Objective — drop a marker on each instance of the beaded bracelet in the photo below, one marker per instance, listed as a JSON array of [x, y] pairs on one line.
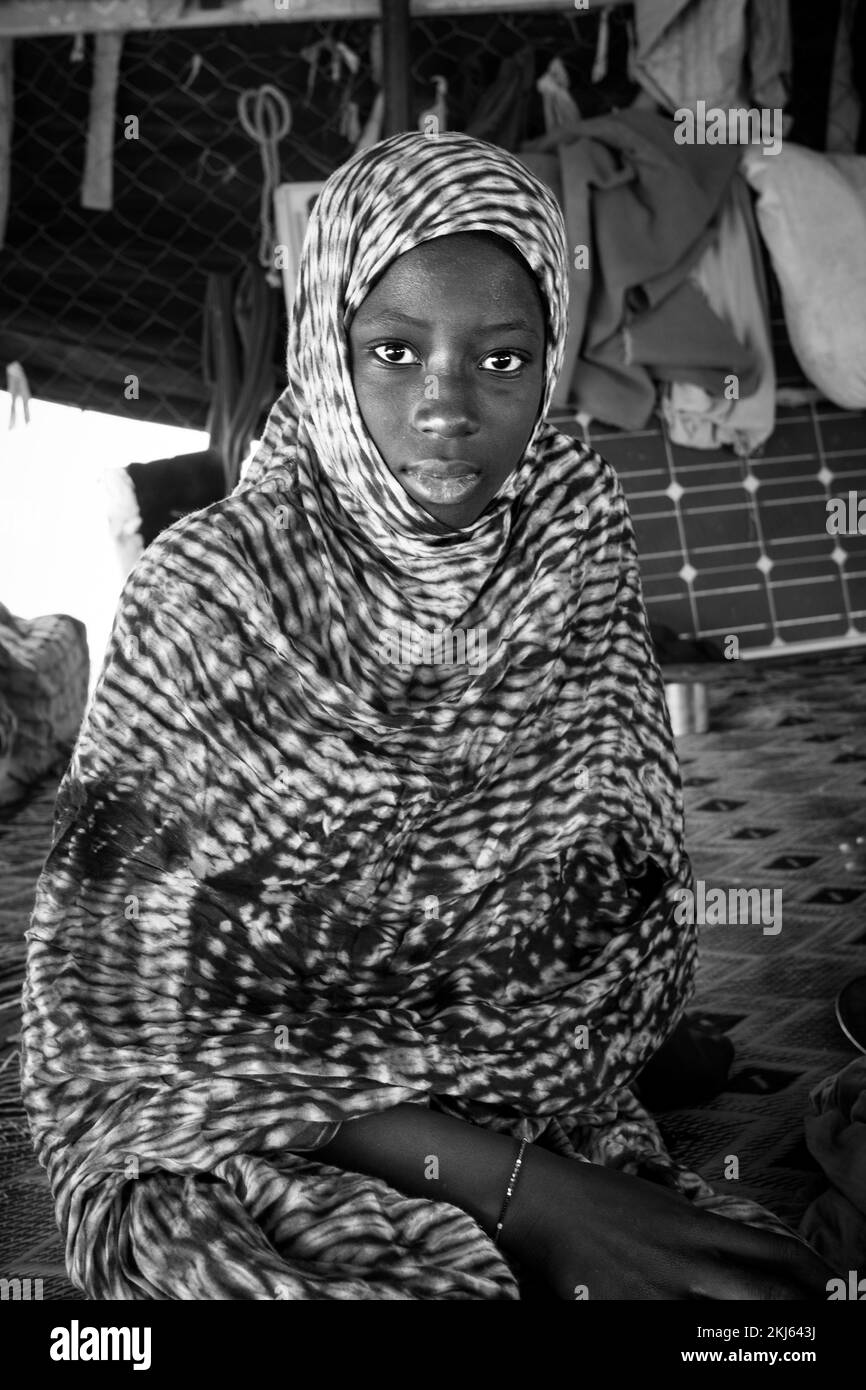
[[509, 1191]]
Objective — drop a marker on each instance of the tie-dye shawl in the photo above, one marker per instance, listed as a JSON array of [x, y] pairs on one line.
[[293, 882]]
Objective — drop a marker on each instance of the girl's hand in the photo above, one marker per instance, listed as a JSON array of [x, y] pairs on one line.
[[590, 1231]]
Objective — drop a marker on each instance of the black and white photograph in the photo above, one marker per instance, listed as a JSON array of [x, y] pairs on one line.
[[433, 806]]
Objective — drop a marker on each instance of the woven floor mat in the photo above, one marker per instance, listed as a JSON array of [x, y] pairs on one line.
[[773, 792]]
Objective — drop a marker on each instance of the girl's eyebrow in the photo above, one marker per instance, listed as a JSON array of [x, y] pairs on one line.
[[508, 326]]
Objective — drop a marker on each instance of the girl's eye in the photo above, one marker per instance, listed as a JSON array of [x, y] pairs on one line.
[[504, 362], [392, 354]]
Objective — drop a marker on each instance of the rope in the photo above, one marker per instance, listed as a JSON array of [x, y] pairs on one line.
[[266, 116]]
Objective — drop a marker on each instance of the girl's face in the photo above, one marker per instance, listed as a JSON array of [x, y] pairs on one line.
[[447, 357]]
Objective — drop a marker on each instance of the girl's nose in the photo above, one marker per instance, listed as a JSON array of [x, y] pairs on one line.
[[445, 408]]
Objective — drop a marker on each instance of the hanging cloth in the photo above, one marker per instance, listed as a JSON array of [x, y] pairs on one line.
[[731, 275], [638, 208], [7, 99], [434, 119], [19, 390], [560, 108], [97, 188], [500, 114], [721, 53], [844, 108], [602, 48], [239, 326]]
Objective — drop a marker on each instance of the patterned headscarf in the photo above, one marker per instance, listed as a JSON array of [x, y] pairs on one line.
[[295, 881]]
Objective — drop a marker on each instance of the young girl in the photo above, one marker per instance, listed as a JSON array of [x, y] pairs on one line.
[[358, 924]]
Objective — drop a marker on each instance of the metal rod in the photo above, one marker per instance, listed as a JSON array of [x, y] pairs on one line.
[[51, 18], [395, 65]]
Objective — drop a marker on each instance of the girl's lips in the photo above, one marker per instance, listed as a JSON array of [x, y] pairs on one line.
[[443, 480]]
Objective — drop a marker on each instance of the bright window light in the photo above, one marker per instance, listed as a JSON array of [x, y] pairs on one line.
[[57, 551]]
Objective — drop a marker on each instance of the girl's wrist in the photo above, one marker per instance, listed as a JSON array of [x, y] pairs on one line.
[[530, 1215]]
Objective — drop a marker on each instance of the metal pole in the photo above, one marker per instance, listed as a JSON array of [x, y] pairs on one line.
[[395, 65]]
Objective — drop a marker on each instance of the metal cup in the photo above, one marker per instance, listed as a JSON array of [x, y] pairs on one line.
[[687, 707]]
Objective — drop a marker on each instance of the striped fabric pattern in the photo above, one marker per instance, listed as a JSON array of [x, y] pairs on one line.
[[293, 883]]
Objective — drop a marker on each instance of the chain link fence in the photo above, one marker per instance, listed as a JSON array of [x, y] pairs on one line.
[[105, 309], [94, 297]]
